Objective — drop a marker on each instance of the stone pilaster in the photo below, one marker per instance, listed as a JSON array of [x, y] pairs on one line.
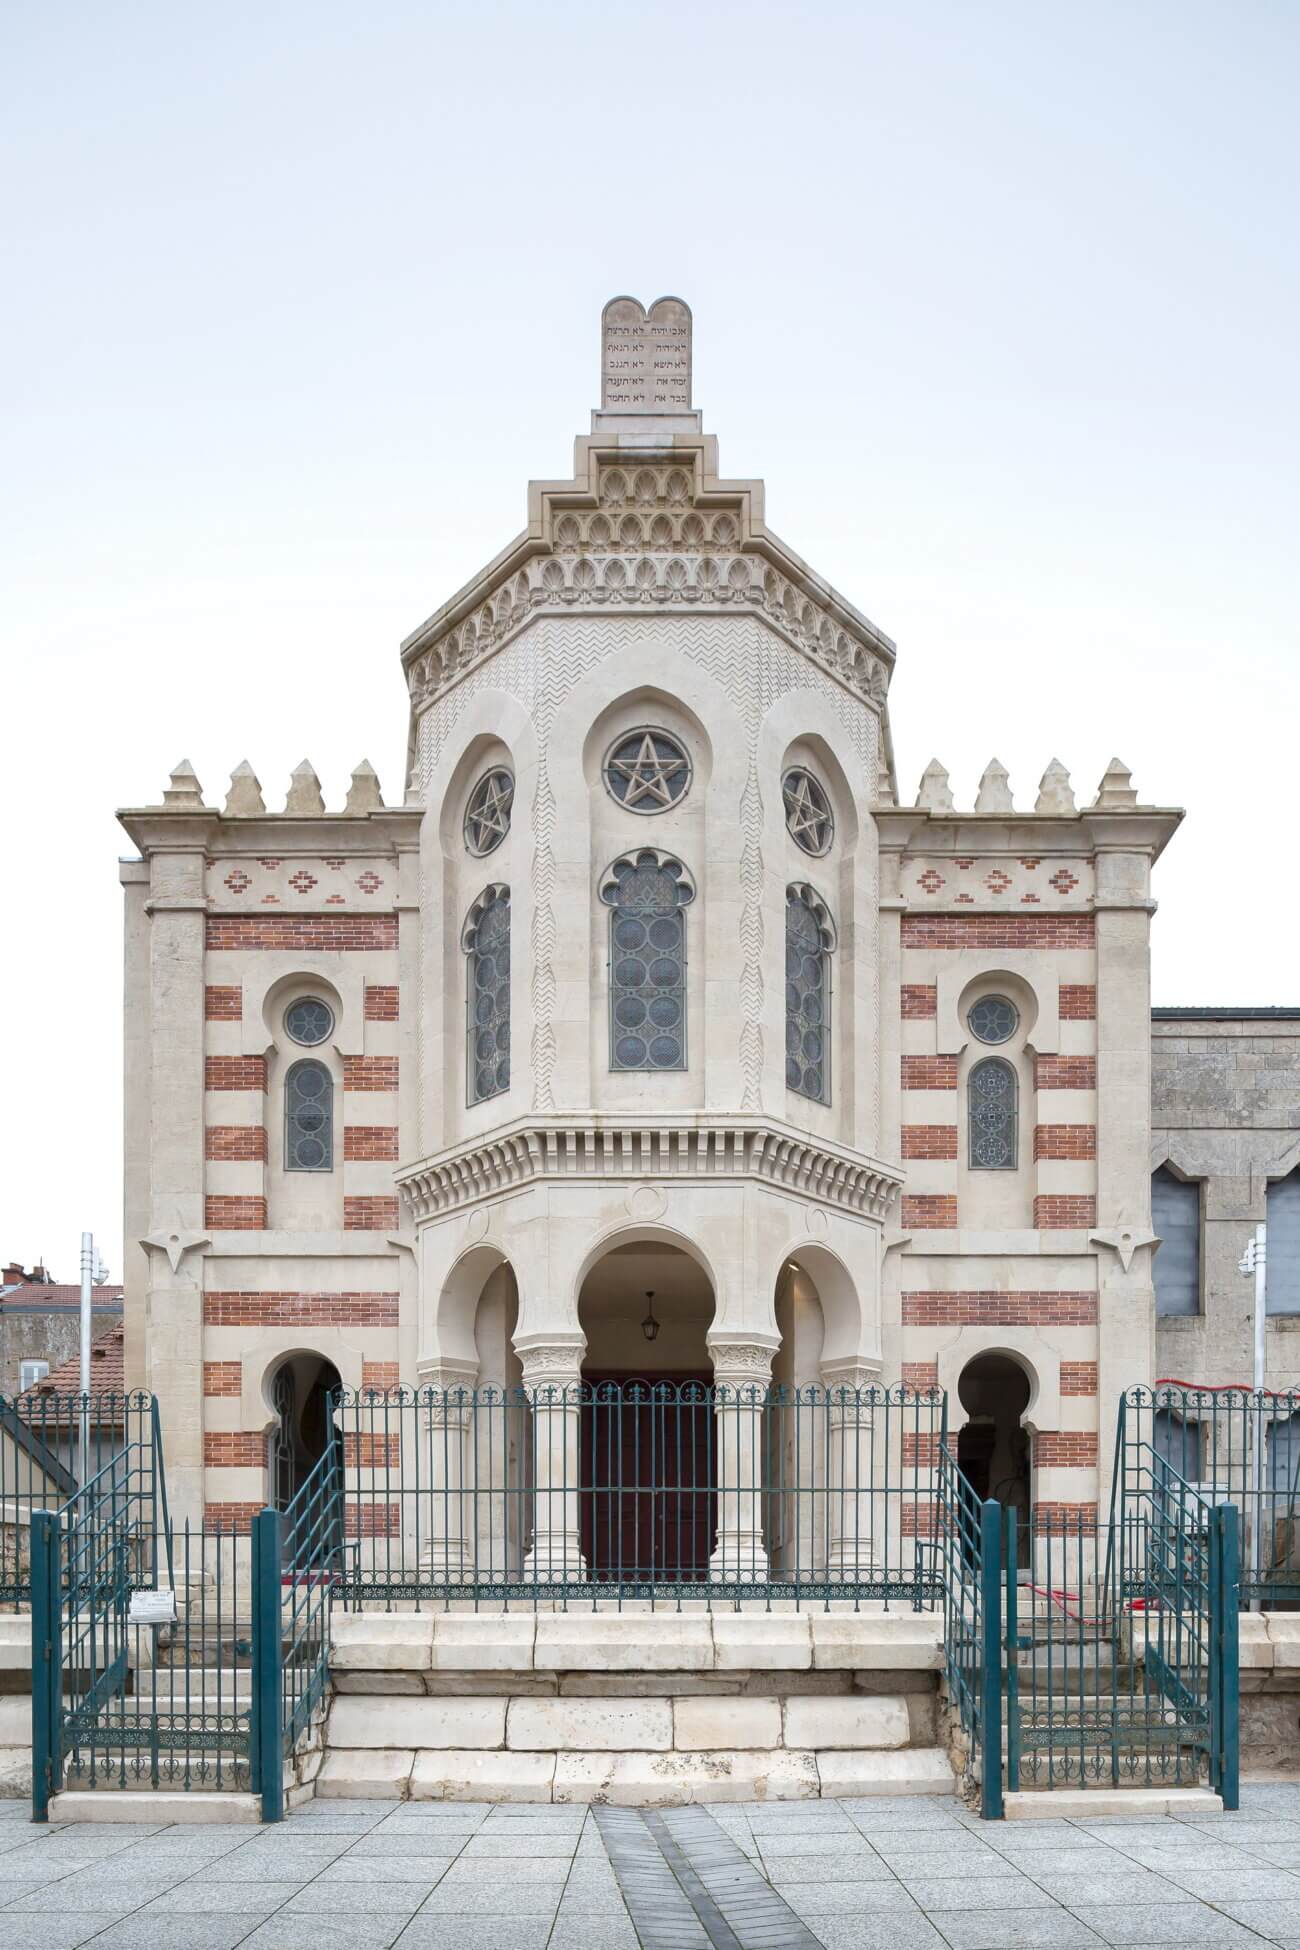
[[552, 1374], [851, 1437], [742, 1374]]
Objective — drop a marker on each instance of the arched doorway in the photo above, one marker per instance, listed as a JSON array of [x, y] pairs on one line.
[[648, 1506], [993, 1445], [300, 1396]]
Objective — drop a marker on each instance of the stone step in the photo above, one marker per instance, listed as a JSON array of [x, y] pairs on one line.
[[632, 1779]]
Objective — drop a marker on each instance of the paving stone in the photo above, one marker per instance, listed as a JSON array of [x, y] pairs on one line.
[[153, 1932], [357, 1898], [197, 1896], [1010, 1929], [885, 1930], [465, 1933], [844, 1899], [978, 1892], [281, 1932], [390, 1868], [52, 1931], [1172, 1923]]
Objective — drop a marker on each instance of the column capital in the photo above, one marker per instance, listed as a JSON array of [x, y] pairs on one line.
[[742, 1361], [551, 1360], [852, 1372]]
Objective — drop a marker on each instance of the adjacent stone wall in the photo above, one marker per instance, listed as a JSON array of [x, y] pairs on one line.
[[1225, 1112]]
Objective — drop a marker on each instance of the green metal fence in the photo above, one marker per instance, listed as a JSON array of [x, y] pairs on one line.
[[49, 1446], [678, 1492], [1233, 1445], [969, 1542]]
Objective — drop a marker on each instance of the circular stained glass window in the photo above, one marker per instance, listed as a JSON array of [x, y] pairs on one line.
[[309, 1021], [993, 1019], [487, 816], [808, 814], [647, 771]]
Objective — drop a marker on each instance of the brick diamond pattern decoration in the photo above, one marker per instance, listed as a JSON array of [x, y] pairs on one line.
[[302, 882]]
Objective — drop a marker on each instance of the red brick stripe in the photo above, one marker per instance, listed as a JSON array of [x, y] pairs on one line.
[[223, 1378], [371, 1520], [363, 1449], [369, 1141], [231, 1516], [370, 1073], [235, 1214], [335, 933], [1065, 1141], [984, 1309], [929, 1073], [1065, 1449], [998, 931], [1065, 1519], [1078, 1377], [233, 1449], [929, 1140], [924, 1210], [920, 1449], [918, 999], [1065, 1072], [380, 1374], [920, 1374], [1054, 1212], [380, 1003], [235, 1141], [919, 1517], [300, 1309], [1077, 1002], [234, 1073], [370, 1214], [224, 1003]]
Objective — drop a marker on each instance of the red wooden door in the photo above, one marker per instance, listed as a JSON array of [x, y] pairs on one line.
[[649, 1502]]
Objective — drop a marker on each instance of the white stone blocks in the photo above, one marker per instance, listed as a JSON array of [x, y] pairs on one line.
[[623, 1642], [764, 1641], [903, 1770], [854, 1722], [675, 1780], [876, 1641], [703, 1723], [444, 1774], [1089, 1804], [599, 1725], [156, 1805], [486, 1642], [361, 1721], [368, 1774], [382, 1642], [16, 1644]]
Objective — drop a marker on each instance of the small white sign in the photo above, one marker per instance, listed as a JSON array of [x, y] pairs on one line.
[[152, 1608]]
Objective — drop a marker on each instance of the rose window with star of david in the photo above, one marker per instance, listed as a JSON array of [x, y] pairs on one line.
[[487, 816], [647, 894], [647, 771], [808, 816]]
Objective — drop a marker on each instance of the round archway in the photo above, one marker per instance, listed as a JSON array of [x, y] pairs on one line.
[[993, 1445], [300, 1391], [648, 1441]]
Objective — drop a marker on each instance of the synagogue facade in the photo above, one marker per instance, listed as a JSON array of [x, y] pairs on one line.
[[652, 1035]]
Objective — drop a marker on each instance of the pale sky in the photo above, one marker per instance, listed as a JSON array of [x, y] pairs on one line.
[[1001, 302]]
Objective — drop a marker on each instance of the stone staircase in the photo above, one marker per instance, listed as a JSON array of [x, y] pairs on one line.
[[642, 1709]]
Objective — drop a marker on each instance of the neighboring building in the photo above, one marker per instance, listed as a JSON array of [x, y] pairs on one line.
[[650, 987], [40, 1325], [1225, 1151]]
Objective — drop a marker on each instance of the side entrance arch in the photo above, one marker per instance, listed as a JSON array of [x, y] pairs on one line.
[[994, 1448], [300, 1394]]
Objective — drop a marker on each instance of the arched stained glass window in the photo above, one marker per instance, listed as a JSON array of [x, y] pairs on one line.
[[991, 1103], [486, 941], [308, 1117], [647, 894], [809, 941]]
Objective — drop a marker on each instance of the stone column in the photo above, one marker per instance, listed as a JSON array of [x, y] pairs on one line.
[[742, 1374], [552, 1376], [850, 1446], [447, 1522]]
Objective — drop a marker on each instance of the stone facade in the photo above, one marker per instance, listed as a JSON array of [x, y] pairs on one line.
[[491, 1234]]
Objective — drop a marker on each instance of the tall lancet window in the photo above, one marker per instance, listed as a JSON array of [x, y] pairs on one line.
[[809, 943], [308, 1117], [992, 1109], [647, 894], [486, 941]]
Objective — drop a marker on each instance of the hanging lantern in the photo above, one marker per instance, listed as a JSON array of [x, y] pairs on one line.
[[650, 1326]]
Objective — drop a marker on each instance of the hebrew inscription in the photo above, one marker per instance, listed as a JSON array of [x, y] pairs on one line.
[[645, 357]]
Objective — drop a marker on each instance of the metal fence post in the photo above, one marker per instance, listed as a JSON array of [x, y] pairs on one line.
[[266, 1742], [1225, 1712], [1012, 1651], [991, 1805], [47, 1661]]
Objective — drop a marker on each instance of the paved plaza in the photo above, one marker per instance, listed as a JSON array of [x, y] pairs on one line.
[[849, 1875]]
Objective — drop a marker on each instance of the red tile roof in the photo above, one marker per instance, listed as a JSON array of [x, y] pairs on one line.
[[107, 1369], [55, 1295]]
